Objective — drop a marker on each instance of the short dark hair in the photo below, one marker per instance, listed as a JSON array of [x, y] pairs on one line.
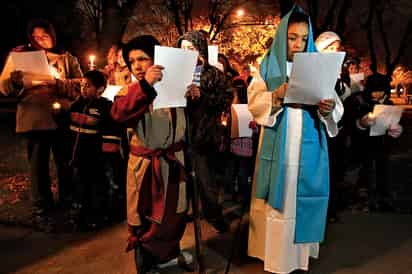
[[145, 43], [378, 82], [97, 78]]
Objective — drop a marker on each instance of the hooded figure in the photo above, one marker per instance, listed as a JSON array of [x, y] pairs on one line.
[[206, 132], [291, 184], [156, 187], [36, 118]]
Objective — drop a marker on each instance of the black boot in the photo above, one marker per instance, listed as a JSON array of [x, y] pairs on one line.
[[144, 261]]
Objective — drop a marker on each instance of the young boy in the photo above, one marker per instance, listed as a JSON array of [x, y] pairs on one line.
[[93, 135]]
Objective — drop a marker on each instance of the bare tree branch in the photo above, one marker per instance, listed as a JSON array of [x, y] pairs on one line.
[[380, 7], [404, 42], [313, 11], [330, 16], [346, 6], [369, 29]]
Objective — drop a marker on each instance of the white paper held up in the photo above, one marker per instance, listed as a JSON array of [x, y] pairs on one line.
[[33, 63], [313, 77], [244, 117], [357, 77], [111, 91], [213, 52], [385, 116], [179, 65]]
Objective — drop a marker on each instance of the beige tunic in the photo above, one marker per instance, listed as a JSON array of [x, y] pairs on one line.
[[153, 131]]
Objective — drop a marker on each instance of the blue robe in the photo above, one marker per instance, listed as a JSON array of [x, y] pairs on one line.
[[313, 176]]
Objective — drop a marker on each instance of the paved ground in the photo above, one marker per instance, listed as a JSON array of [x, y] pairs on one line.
[[362, 244]]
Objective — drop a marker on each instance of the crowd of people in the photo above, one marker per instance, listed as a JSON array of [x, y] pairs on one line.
[[123, 160]]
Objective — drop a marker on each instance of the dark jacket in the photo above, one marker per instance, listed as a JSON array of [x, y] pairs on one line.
[[204, 114], [356, 106], [92, 129], [205, 128]]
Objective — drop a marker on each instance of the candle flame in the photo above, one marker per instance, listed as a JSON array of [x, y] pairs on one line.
[[92, 58], [56, 105]]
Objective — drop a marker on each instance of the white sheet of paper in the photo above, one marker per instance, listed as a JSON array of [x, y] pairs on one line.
[[111, 91], [32, 61], [357, 77], [244, 117], [313, 77], [213, 52], [179, 65], [289, 66], [385, 116]]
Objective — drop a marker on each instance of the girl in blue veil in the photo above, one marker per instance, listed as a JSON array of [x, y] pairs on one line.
[[291, 184]]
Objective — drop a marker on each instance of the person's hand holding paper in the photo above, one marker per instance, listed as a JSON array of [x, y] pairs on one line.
[[386, 119], [395, 130], [27, 69], [17, 78], [154, 74], [193, 92]]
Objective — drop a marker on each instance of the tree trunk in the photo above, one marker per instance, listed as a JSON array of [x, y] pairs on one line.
[[369, 30], [346, 6], [328, 23], [313, 6], [115, 20]]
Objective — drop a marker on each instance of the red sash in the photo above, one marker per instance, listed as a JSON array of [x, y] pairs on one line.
[[155, 210]]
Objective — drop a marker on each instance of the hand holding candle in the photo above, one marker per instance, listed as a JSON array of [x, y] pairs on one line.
[[224, 119], [368, 120]]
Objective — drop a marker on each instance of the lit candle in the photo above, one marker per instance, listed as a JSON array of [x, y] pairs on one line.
[[56, 105], [252, 68], [371, 115], [224, 119], [54, 72], [92, 65]]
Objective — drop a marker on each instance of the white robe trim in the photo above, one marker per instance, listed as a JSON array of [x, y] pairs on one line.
[[272, 233]]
